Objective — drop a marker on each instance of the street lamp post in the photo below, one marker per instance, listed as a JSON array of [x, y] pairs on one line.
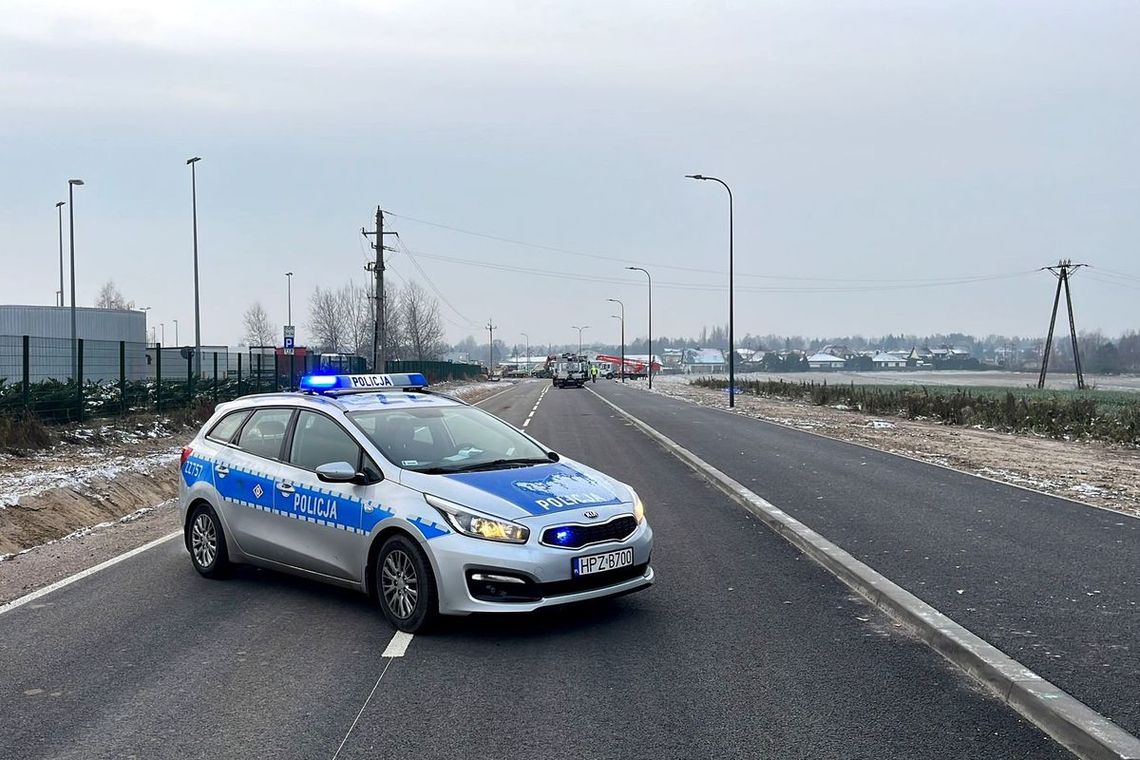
[[197, 312], [162, 328], [176, 333], [617, 316], [650, 278], [71, 183], [289, 312], [731, 345], [622, 318], [59, 207], [579, 329], [527, 350]]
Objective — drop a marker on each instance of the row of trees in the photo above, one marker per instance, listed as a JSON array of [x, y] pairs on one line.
[[342, 320]]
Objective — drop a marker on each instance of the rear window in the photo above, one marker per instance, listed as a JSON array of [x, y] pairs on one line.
[[265, 432], [224, 430]]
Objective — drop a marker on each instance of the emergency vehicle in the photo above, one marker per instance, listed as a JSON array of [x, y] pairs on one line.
[[428, 504]]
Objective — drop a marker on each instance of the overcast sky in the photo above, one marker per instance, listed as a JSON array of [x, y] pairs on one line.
[[876, 150]]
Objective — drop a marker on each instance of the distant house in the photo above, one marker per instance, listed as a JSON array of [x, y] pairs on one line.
[[825, 361], [888, 361], [702, 360]]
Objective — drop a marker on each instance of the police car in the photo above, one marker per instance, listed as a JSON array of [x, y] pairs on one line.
[[430, 505]]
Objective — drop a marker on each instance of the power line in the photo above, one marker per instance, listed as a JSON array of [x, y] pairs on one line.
[[657, 264], [689, 286], [431, 283]]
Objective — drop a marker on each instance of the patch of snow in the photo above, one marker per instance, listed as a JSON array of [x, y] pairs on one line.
[[44, 476], [880, 424]]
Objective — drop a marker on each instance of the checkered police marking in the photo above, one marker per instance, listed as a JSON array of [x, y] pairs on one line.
[[311, 504]]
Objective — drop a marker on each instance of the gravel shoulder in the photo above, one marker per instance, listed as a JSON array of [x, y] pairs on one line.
[[1092, 473]]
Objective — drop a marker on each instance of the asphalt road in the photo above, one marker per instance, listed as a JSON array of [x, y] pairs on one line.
[[743, 649], [1051, 582]]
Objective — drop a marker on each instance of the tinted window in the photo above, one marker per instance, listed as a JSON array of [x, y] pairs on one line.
[[227, 426], [264, 433], [318, 440]]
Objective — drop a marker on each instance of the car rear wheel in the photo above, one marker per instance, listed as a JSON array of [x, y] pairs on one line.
[[207, 543], [405, 585]]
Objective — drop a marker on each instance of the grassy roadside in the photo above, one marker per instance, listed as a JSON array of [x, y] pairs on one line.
[[1110, 416]]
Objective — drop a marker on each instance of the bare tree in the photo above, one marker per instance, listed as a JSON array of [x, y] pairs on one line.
[[110, 298], [423, 327], [259, 331], [394, 323], [327, 320], [356, 303]]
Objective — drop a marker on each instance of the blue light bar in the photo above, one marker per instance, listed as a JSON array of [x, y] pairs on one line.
[[358, 383]]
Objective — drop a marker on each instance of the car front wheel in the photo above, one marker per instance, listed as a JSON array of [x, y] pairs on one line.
[[405, 585]]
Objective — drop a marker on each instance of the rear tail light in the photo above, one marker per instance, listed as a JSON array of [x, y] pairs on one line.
[[186, 452]]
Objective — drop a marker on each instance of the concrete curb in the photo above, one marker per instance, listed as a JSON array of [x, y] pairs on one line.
[[1070, 722]]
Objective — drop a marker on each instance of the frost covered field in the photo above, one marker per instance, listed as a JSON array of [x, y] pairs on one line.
[[1094, 473], [963, 378]]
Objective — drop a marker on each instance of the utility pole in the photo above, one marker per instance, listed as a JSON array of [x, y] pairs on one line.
[[1062, 271], [379, 329], [491, 347]]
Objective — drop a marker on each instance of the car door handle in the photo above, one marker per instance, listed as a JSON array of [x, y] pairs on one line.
[[221, 470], [285, 487]]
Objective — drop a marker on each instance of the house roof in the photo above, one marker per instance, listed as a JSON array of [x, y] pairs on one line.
[[704, 356], [887, 358], [820, 358]]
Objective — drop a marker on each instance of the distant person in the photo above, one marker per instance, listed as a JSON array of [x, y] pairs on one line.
[[594, 373]]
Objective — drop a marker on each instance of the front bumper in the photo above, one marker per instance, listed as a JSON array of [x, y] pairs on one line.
[[546, 572]]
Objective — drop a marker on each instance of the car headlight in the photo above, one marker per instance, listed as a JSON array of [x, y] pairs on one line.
[[471, 523], [638, 509]]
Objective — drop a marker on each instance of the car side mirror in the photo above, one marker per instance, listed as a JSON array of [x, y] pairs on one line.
[[336, 472]]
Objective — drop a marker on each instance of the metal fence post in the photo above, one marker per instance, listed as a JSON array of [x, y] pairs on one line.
[[158, 378], [189, 378], [79, 379], [276, 373], [239, 375], [215, 378], [27, 389], [122, 377]]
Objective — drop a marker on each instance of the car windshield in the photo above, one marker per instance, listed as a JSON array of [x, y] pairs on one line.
[[447, 439]]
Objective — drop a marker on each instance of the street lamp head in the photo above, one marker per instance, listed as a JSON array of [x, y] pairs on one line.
[[696, 176], [61, 203], [288, 274], [75, 182], [193, 160]]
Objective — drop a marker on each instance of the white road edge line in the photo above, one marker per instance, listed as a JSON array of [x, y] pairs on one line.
[[8, 607], [508, 389], [1070, 722], [398, 645], [366, 701]]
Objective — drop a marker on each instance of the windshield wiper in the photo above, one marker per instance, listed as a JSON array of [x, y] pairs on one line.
[[497, 464]]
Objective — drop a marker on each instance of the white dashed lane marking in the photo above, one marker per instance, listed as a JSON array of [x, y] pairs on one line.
[[398, 645], [530, 416]]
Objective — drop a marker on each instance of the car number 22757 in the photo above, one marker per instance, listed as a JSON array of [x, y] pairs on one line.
[[600, 563]]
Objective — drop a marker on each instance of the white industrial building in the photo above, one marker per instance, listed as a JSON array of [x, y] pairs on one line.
[[48, 331]]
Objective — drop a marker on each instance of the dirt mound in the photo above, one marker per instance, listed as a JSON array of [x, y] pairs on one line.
[[57, 512]]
